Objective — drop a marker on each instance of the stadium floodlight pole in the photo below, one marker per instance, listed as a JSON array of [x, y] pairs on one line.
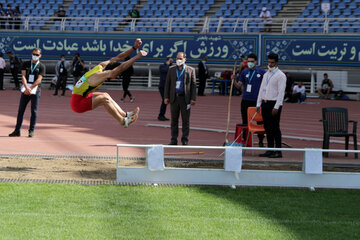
[[229, 105]]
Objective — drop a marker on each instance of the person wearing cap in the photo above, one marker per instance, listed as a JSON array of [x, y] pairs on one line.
[[266, 16]]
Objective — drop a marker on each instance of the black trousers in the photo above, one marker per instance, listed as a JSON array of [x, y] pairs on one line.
[[180, 107], [126, 83], [202, 84], [61, 82], [14, 73], [271, 124], [245, 104], [1, 79], [163, 105], [24, 100]]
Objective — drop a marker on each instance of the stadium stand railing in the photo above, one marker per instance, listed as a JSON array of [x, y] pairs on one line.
[[191, 25]]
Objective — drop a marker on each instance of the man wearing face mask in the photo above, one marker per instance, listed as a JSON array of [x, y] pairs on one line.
[[203, 75], [163, 69], [249, 83], [32, 73], [61, 69], [270, 99], [180, 92]]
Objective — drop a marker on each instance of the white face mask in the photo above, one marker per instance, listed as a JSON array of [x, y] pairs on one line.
[[271, 68], [179, 62], [35, 58], [251, 64]]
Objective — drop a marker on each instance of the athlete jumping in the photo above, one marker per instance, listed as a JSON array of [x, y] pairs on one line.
[[84, 98]]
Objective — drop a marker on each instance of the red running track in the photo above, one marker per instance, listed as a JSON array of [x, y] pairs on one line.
[[60, 131]]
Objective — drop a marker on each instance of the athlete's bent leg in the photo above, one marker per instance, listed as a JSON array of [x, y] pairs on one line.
[[104, 99]]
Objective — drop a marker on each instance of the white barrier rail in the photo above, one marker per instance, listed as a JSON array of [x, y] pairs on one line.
[[221, 25], [312, 174]]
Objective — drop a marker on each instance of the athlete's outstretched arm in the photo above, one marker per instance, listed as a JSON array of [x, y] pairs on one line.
[[123, 55]]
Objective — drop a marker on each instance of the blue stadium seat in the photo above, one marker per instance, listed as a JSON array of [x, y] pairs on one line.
[[353, 5]]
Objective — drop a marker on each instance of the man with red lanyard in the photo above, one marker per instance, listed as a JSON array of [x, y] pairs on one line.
[[270, 98], [32, 73]]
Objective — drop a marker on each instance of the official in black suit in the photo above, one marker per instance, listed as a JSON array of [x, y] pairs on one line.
[[180, 92]]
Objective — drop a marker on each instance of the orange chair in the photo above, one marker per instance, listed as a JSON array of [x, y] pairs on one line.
[[253, 118]]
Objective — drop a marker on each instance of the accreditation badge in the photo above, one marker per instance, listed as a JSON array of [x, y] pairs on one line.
[[31, 78], [248, 88]]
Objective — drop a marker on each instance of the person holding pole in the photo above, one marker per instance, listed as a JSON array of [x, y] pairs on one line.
[[249, 82]]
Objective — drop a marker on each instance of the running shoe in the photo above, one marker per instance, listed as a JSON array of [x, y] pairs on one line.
[[136, 111], [130, 120]]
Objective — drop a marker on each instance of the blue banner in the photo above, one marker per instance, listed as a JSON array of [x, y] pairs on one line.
[[310, 50], [98, 47]]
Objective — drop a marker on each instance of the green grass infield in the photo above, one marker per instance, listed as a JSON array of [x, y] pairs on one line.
[[70, 211]]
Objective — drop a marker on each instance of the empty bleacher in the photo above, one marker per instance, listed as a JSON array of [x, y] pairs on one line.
[[213, 16], [342, 18]]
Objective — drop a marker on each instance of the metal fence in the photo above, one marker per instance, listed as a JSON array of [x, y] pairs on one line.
[[193, 25]]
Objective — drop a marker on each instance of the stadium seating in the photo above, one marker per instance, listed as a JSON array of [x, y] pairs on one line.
[[338, 14], [187, 15], [244, 9]]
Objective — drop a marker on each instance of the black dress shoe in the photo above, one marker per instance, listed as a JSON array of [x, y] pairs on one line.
[[276, 154], [266, 154], [162, 118], [15, 134], [186, 142], [173, 143]]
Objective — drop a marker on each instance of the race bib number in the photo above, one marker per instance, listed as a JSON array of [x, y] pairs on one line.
[[80, 82]]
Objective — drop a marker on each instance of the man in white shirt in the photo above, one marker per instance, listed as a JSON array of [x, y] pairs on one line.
[[266, 16], [270, 99], [298, 94], [2, 70]]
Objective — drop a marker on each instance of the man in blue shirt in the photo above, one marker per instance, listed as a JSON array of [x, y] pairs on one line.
[[249, 82]]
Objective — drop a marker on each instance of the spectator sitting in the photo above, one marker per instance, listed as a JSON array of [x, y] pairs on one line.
[[9, 15], [298, 94], [17, 18], [266, 16], [134, 13], [60, 13], [326, 87]]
